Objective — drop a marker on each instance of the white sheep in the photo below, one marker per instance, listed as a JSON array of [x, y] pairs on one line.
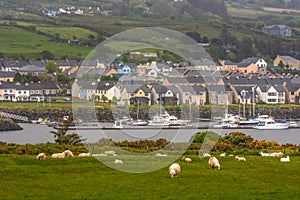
[[85, 154], [58, 155], [186, 159], [223, 154], [276, 154], [41, 156], [240, 158], [206, 155], [264, 154], [68, 153], [287, 159], [174, 169], [110, 153], [118, 161], [214, 163], [161, 155]]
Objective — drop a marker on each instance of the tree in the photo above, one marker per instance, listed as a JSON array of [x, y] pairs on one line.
[[47, 55], [52, 67], [44, 77], [63, 79], [18, 78], [62, 137]]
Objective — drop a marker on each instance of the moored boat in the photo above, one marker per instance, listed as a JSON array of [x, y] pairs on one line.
[[271, 124]]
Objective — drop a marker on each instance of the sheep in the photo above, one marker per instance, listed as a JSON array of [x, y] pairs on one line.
[[264, 154], [118, 161], [279, 154], [85, 154], [174, 169], [110, 153], [240, 158], [186, 159], [41, 156], [68, 153], [214, 163], [206, 155], [58, 155], [223, 154], [161, 155], [287, 159]]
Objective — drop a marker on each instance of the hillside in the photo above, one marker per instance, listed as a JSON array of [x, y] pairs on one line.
[[233, 29]]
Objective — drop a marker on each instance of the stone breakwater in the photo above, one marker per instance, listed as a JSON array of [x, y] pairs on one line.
[[9, 125], [109, 116]]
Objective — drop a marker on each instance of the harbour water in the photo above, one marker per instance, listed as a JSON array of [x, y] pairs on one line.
[[36, 133]]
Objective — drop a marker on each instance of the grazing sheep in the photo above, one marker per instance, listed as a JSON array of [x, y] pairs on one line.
[[85, 154], [264, 154], [174, 169], [41, 156], [279, 154], [287, 159], [240, 158], [186, 159], [58, 155], [161, 155], [214, 163], [223, 154], [206, 155], [118, 161], [110, 153], [68, 153]]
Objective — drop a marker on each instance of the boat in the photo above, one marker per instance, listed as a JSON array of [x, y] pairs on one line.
[[271, 124], [38, 121], [248, 122], [222, 124], [139, 122], [118, 124], [293, 124]]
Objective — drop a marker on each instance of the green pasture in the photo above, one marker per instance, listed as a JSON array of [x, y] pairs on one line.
[[16, 40], [68, 32], [23, 177]]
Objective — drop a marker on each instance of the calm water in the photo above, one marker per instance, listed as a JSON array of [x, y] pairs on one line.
[[34, 134]]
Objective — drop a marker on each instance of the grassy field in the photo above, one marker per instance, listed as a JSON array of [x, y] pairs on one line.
[[23, 177], [15, 40], [68, 32]]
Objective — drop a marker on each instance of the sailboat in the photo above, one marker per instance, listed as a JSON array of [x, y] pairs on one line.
[[139, 122]]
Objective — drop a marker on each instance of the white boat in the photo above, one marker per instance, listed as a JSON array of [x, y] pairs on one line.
[[271, 124], [38, 121], [293, 124], [222, 124], [118, 124], [139, 122]]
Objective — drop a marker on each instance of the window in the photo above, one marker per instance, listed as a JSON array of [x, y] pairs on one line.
[[186, 94], [272, 94], [19, 92]]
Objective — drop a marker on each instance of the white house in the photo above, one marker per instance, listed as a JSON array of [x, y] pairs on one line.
[[271, 94]]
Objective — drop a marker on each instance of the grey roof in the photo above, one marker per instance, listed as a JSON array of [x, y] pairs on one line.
[[106, 85], [289, 59], [280, 26], [265, 88], [5, 74], [14, 63], [144, 88], [218, 88], [131, 88], [186, 88], [177, 80], [199, 89], [159, 88], [38, 63], [49, 85], [251, 60], [195, 79], [32, 68], [249, 89]]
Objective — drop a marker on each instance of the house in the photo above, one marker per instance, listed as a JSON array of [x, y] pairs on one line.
[[247, 68], [271, 94], [227, 65], [259, 62], [287, 61], [108, 90], [31, 69], [84, 89], [219, 94], [65, 89], [141, 96], [165, 95], [192, 95], [244, 94], [8, 91], [127, 91], [50, 89], [282, 30], [48, 11], [12, 65], [124, 69], [7, 76]]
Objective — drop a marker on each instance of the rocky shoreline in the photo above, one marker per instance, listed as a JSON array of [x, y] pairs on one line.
[[9, 125]]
